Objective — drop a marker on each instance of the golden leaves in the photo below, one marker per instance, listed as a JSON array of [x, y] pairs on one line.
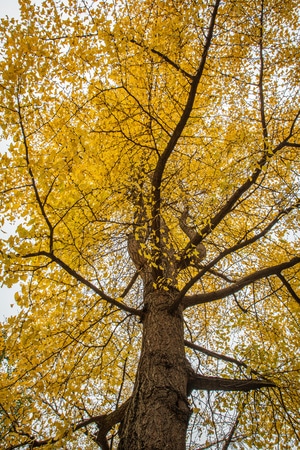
[[91, 98]]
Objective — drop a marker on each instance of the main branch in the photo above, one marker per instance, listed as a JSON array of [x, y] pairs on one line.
[[203, 383], [160, 167], [238, 285], [244, 242]]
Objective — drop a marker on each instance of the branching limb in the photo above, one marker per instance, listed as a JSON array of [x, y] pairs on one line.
[[239, 285], [151, 116], [160, 167], [85, 282], [240, 191], [223, 358], [104, 422], [243, 243]]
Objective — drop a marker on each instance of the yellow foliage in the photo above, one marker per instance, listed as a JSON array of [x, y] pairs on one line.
[[120, 119]]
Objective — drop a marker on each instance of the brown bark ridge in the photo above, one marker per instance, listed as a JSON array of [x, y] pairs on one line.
[[158, 413]]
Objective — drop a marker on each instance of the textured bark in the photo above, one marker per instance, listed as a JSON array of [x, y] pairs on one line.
[[158, 412]]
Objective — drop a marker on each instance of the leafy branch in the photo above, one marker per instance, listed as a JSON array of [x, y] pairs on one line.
[[161, 164], [241, 190], [86, 282], [198, 299], [243, 243], [104, 422]]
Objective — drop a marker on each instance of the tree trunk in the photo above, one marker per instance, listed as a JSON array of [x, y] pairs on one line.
[[158, 414]]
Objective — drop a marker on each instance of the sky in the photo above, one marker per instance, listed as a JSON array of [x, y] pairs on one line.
[[7, 305], [9, 8]]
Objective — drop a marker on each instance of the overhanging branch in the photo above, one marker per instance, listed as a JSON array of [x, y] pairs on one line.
[[85, 282], [238, 285], [203, 383], [104, 422]]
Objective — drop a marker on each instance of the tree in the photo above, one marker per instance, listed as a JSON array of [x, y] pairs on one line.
[[153, 181]]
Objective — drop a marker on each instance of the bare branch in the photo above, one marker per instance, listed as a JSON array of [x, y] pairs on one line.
[[203, 383], [231, 433], [214, 354]]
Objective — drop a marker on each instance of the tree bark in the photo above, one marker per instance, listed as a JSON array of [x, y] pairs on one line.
[[158, 413]]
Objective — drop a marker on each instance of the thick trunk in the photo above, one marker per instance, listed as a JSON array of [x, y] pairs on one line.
[[158, 414]]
